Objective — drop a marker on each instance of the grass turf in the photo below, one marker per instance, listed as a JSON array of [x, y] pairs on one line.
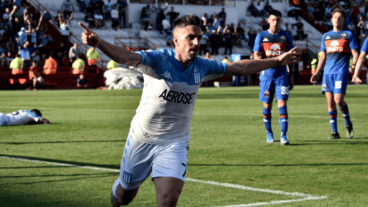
[[228, 146]]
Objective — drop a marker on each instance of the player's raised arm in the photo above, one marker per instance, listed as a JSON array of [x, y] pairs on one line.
[[321, 63], [248, 67], [118, 54]]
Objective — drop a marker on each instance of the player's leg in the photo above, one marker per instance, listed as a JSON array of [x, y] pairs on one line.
[[135, 167], [332, 113], [168, 190], [339, 98], [169, 171], [282, 95], [266, 94]]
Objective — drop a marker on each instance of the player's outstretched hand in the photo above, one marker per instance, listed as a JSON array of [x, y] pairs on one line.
[[356, 80], [289, 57], [89, 37], [314, 78]]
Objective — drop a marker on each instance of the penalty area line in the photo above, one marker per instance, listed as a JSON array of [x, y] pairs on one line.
[[305, 197]]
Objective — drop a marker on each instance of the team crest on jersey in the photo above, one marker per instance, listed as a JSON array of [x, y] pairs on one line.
[[343, 36], [283, 38], [265, 40], [197, 78], [267, 94], [328, 37]]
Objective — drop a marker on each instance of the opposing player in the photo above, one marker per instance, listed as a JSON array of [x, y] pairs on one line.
[[22, 117], [157, 143], [336, 47], [360, 62], [274, 81]]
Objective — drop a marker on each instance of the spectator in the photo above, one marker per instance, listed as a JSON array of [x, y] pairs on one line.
[[318, 16], [252, 38], [82, 5], [22, 36], [173, 15], [74, 52], [252, 10], [16, 65], [166, 26], [99, 20], [215, 41], [310, 10], [203, 43], [50, 66], [64, 29], [98, 7], [228, 36], [112, 65], [78, 66], [68, 9], [122, 7], [225, 60], [9, 58], [264, 24], [222, 17], [22, 117], [240, 32], [286, 29], [3, 59], [116, 21], [61, 53], [293, 11], [260, 10], [26, 53], [90, 20], [216, 23], [300, 29], [6, 14], [267, 8], [210, 20], [82, 81], [35, 76], [208, 56], [35, 56], [146, 17], [107, 8], [44, 42], [160, 15]]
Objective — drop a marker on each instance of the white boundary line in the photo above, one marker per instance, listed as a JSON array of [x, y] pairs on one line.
[[305, 196]]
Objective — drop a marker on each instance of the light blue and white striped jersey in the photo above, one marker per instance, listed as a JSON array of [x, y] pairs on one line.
[[21, 117], [166, 107]]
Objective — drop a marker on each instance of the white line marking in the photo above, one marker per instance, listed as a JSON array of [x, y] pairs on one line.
[[305, 196]]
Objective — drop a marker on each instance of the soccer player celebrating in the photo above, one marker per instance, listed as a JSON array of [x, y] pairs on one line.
[[360, 62], [157, 143], [274, 81], [337, 46]]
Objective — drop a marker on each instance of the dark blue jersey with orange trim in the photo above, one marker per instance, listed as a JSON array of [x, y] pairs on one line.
[[273, 45], [338, 47]]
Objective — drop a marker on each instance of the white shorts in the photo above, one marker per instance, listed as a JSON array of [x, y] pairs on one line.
[[4, 119], [142, 159]]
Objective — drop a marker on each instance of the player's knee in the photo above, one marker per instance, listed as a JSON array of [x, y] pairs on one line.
[[168, 199]]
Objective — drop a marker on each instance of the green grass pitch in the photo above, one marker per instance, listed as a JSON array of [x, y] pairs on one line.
[[89, 128]]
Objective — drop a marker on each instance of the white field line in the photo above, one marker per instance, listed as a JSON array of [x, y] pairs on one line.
[[305, 196]]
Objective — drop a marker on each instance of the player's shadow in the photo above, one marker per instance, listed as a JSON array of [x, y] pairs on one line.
[[341, 141], [62, 142]]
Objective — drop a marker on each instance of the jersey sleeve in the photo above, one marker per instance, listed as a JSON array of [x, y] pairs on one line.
[[323, 48], [257, 44], [150, 62], [365, 46], [290, 44], [216, 67], [353, 44], [34, 116]]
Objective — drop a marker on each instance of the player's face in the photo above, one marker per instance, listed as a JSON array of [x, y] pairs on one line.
[[274, 21], [187, 41], [338, 20]]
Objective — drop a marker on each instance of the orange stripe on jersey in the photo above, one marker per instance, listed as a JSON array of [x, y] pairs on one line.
[[266, 117], [333, 116], [337, 45], [272, 49]]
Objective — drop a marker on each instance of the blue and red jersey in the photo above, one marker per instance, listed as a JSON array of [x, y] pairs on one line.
[[338, 47], [273, 45], [365, 46]]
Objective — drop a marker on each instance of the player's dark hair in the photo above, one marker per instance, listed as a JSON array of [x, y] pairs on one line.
[[275, 13], [189, 19], [339, 10], [36, 111]]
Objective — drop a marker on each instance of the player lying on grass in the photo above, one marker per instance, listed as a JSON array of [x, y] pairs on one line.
[[158, 141], [22, 117]]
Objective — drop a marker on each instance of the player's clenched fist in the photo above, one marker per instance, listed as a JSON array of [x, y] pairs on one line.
[[89, 37]]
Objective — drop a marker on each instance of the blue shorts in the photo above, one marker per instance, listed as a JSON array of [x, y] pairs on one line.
[[141, 160], [269, 88], [335, 83]]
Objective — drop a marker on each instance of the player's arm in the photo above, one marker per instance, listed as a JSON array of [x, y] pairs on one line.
[[358, 68], [355, 54], [118, 54], [257, 55], [248, 67], [43, 121], [321, 62]]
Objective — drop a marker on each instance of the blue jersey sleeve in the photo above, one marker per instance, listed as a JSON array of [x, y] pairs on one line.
[[257, 44], [290, 44], [352, 41], [323, 48], [365, 46], [215, 67], [152, 59]]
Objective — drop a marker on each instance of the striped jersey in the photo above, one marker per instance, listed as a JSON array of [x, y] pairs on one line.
[[273, 45], [170, 91], [21, 117], [338, 47]]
